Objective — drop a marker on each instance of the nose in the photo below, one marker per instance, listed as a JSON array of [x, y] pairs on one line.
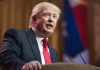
[[50, 19]]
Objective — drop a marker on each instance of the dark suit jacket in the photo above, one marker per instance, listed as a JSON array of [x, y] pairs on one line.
[[20, 47]]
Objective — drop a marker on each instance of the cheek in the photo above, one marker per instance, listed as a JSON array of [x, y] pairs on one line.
[[54, 26], [44, 19], [39, 26], [55, 23], [39, 22], [55, 20]]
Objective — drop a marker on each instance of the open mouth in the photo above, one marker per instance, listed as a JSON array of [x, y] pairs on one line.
[[49, 25]]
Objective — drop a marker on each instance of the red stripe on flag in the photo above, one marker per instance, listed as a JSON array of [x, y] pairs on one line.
[[80, 13]]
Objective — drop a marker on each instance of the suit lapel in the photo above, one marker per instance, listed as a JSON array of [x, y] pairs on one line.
[[33, 44]]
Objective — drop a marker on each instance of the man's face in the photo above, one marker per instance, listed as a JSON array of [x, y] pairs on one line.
[[46, 22]]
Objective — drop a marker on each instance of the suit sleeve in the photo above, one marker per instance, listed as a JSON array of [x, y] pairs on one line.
[[10, 53]]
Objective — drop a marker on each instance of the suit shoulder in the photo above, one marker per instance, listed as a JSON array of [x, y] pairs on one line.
[[13, 30]]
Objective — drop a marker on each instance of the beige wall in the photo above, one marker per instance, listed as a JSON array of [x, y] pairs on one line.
[[14, 13]]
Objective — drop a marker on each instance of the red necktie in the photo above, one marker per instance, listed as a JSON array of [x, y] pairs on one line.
[[45, 52]]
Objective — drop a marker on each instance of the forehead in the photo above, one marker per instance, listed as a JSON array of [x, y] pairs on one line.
[[51, 10]]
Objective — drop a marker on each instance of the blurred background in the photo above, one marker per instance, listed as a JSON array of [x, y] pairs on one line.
[[77, 34]]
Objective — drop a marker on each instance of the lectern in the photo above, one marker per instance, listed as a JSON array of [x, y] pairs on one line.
[[69, 66]]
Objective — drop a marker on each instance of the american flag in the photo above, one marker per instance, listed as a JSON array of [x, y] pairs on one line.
[[75, 32]]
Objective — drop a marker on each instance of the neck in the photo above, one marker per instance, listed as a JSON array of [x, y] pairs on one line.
[[40, 34]]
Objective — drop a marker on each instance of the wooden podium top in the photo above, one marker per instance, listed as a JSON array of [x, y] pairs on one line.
[[69, 66]]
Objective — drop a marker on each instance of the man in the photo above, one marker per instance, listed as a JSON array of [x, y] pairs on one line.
[[24, 49]]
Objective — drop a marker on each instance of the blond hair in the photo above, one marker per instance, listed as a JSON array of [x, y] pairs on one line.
[[39, 7]]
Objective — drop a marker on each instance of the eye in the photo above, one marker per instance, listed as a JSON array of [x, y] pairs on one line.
[[55, 16], [46, 14]]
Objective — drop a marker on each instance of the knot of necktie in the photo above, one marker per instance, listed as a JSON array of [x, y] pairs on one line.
[[44, 43]]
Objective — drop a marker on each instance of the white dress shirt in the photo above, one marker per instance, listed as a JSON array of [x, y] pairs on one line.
[[40, 45]]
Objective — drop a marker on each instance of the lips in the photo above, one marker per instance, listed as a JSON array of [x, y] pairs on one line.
[[49, 25]]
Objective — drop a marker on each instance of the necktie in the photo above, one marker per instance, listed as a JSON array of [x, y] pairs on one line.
[[45, 52]]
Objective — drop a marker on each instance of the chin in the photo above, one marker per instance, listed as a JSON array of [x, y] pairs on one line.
[[48, 34], [49, 31]]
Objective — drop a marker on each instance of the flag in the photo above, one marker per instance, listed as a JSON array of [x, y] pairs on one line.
[[75, 31]]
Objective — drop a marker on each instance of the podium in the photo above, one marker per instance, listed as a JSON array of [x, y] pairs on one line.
[[69, 66]]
